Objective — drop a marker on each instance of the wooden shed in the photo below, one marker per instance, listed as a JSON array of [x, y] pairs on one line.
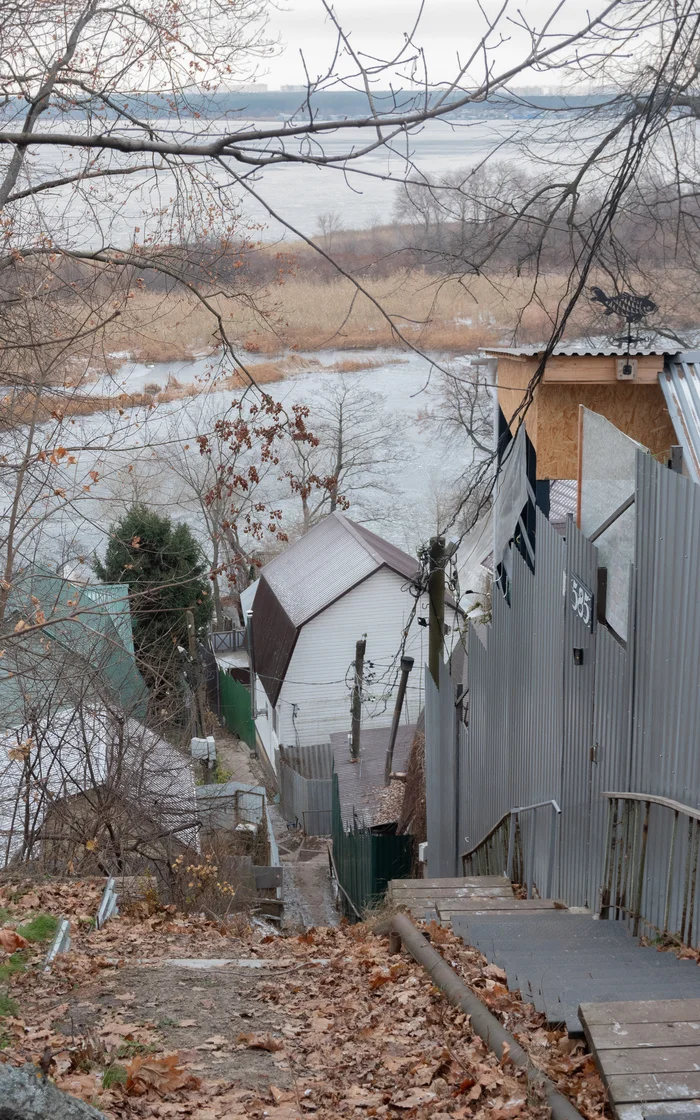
[[622, 387]]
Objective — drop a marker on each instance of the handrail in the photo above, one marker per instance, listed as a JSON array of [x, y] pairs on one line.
[[492, 832], [624, 874], [677, 806], [513, 817]]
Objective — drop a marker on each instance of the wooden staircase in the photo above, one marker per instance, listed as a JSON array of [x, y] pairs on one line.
[[442, 899]]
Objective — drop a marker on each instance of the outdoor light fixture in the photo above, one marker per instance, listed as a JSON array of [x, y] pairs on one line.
[[578, 655]]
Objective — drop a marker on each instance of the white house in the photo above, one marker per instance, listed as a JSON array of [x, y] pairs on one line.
[[310, 606]]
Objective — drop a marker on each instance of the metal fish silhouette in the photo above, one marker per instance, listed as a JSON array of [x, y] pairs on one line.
[[627, 306]]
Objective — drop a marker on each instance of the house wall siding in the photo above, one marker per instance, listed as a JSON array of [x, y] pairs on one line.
[[321, 663]]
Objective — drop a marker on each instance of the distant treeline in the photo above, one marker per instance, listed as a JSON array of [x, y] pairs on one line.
[[325, 104]]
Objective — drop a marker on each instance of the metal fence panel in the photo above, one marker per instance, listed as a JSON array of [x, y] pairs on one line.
[[365, 861], [441, 776], [579, 677], [611, 746], [312, 762], [559, 707], [235, 708], [513, 741]]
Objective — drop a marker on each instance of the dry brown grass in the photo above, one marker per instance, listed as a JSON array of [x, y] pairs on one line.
[[20, 408], [306, 314], [309, 315]]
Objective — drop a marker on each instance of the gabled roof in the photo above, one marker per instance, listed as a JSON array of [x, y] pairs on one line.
[[325, 563], [307, 577]]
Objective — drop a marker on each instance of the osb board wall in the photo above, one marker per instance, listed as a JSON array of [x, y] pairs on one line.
[[597, 368], [513, 377], [637, 410]]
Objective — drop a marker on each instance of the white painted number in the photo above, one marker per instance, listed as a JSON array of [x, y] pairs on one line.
[[581, 601]]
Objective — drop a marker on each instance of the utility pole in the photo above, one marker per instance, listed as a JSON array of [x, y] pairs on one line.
[[436, 614], [198, 690], [356, 708], [406, 666]]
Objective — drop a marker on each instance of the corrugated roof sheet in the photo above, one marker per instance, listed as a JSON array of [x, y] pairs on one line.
[[319, 568], [361, 784], [589, 347], [680, 382]]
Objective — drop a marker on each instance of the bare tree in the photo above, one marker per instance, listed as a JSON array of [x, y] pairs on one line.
[[356, 439]]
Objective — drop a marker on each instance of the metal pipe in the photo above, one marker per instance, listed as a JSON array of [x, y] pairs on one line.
[[531, 869], [511, 843], [406, 666], [552, 848], [483, 1022], [691, 911]]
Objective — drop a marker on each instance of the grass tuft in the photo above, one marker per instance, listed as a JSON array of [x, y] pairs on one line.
[[41, 928], [8, 1007], [114, 1075], [13, 964]]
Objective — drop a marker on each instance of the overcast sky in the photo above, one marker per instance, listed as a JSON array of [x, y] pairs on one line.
[[448, 29]]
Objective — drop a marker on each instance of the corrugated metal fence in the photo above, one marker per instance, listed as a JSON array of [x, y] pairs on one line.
[[306, 787], [560, 708], [365, 861]]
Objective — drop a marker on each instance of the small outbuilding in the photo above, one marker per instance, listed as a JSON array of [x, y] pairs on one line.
[[334, 586]]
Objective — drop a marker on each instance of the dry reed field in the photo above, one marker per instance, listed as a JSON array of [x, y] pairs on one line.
[[314, 315], [433, 313]]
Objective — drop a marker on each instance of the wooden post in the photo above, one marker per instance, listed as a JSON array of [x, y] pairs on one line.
[[356, 709], [436, 615], [406, 666], [198, 690]]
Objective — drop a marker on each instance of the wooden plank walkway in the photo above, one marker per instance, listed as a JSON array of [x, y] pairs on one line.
[[476, 894], [423, 896], [648, 1054]]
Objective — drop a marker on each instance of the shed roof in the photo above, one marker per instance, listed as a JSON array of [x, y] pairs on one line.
[[680, 383], [307, 577], [600, 347]]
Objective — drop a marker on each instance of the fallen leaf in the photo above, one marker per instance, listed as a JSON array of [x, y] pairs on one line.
[[157, 1075], [279, 1096], [415, 1099], [11, 941], [260, 1042]]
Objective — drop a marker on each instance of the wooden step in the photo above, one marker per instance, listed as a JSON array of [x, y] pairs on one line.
[[648, 1054], [449, 906]]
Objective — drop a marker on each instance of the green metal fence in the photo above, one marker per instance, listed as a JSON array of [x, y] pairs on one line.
[[365, 861], [235, 708]]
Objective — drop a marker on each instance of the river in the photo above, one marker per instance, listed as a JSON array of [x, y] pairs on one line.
[[131, 452]]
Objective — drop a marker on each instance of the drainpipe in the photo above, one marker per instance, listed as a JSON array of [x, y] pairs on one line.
[[406, 666], [251, 658]]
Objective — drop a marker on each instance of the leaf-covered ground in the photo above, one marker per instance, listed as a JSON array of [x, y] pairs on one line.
[[328, 1026]]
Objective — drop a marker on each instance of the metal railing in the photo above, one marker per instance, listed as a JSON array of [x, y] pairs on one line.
[[502, 851], [667, 890]]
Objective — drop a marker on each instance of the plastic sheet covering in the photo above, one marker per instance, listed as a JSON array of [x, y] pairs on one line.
[[607, 479], [511, 495]]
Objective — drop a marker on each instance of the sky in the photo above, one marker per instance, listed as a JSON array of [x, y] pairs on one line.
[[449, 30]]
